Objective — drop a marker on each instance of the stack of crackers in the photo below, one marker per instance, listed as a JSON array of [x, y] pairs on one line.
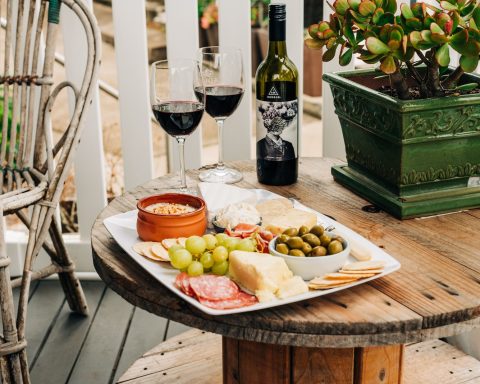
[[157, 251], [348, 274]]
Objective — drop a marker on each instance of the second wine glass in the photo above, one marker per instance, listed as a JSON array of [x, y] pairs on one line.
[[222, 70]]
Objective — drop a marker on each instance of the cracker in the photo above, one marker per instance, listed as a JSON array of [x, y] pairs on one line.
[[143, 247], [364, 265], [361, 254], [367, 271], [320, 281], [160, 252], [167, 243], [316, 286], [347, 276], [182, 241]]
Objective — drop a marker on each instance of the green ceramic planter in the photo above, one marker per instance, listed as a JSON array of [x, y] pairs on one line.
[[412, 158]]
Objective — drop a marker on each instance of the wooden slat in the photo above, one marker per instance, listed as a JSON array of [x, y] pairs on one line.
[[133, 85], [261, 363], [104, 339], [230, 368], [325, 365], [380, 365], [57, 352], [43, 308], [436, 362], [182, 359], [145, 332]]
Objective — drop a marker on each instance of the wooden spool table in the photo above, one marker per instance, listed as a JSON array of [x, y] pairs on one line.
[[353, 336]]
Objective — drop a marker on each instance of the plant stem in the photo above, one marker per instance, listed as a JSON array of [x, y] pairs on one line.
[[423, 58], [452, 79], [400, 85], [418, 78], [433, 80]]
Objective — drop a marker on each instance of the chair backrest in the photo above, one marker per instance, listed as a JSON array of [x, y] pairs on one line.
[[28, 152]]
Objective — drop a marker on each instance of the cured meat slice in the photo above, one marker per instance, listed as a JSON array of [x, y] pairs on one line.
[[241, 299], [182, 281], [211, 287]]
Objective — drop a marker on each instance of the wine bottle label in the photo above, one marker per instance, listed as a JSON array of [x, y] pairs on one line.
[[277, 122]]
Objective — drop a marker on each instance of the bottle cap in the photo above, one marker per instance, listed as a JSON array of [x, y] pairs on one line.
[[277, 12]]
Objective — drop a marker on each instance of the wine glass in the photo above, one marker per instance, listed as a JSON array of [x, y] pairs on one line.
[[222, 72], [177, 96]]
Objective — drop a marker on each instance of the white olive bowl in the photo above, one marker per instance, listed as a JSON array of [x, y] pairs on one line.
[[309, 267]]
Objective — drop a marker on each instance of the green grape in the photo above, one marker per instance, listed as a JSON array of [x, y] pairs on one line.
[[246, 245], [195, 269], [231, 243], [173, 248], [220, 268], [195, 245], [220, 254], [221, 237], [210, 241], [180, 259], [207, 260]]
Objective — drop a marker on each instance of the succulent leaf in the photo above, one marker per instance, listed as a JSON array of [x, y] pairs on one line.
[[448, 6], [329, 54], [390, 6], [443, 56], [314, 44], [341, 6], [467, 87], [354, 4], [376, 46], [367, 8], [388, 65], [414, 23], [476, 16], [406, 11], [346, 57], [469, 64]]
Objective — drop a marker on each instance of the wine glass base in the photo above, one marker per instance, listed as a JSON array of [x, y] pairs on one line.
[[222, 175], [185, 191]]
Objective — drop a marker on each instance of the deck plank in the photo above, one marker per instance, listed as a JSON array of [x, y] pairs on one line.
[[175, 329], [146, 331], [43, 308], [60, 351], [99, 354]]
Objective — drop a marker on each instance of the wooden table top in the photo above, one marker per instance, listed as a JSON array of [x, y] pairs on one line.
[[436, 293]]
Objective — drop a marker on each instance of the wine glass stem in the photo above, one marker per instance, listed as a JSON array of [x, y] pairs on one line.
[[220, 164], [181, 151]]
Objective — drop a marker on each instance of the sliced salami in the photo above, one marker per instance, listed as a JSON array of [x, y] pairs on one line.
[[182, 282], [241, 299], [211, 287]]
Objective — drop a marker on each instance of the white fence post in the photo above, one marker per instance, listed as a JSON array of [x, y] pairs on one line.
[[133, 79], [89, 159], [235, 31], [182, 42]]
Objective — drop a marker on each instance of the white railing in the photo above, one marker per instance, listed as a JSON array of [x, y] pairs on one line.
[[132, 71]]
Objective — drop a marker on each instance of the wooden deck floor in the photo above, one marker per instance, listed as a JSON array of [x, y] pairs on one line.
[[66, 348]]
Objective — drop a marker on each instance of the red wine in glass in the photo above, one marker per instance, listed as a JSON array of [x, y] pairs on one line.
[[221, 100], [178, 118]]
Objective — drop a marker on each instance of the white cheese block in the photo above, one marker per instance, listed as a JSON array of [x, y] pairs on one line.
[[291, 287], [290, 218], [258, 272]]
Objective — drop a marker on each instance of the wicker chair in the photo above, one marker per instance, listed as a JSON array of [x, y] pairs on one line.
[[34, 166]]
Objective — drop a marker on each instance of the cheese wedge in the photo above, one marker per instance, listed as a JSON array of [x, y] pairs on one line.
[[292, 287], [258, 271]]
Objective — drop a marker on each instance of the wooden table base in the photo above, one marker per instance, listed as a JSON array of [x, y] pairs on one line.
[[259, 363]]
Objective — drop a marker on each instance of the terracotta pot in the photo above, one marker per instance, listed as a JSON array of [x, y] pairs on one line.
[[155, 227]]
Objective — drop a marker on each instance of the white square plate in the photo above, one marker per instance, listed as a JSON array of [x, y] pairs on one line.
[[123, 229]]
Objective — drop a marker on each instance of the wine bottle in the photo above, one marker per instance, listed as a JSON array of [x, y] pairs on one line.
[[277, 107]]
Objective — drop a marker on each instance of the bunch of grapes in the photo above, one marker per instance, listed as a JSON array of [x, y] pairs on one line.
[[272, 112], [207, 253]]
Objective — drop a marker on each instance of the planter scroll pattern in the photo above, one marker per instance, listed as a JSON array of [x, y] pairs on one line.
[[431, 174], [363, 111], [457, 121]]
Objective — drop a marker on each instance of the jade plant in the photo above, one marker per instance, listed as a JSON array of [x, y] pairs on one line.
[[413, 43]]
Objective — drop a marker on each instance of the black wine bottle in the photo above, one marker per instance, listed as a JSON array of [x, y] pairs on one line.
[[277, 107]]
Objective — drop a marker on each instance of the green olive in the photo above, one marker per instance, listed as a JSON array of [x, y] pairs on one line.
[[325, 240], [296, 252], [319, 251], [302, 230], [334, 247], [282, 248], [317, 230], [339, 238], [282, 239], [307, 248], [311, 239], [295, 242], [291, 232]]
